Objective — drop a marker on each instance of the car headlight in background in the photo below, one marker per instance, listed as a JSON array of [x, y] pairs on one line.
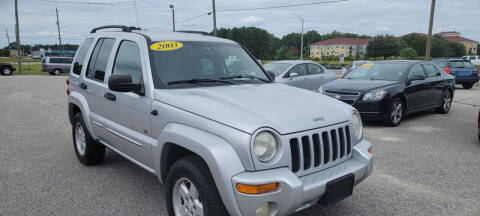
[[374, 95], [357, 125], [321, 90], [265, 146]]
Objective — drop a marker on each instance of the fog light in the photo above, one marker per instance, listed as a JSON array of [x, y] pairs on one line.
[[263, 210]]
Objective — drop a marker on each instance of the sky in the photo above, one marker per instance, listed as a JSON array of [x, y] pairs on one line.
[[372, 17]]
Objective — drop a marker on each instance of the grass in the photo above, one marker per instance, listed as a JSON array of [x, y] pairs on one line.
[[32, 69], [12, 59]]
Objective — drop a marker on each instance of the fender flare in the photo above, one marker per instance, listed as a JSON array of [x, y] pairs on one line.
[[218, 154], [81, 102]]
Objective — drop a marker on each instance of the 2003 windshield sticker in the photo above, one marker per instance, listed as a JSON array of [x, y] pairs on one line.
[[166, 46]]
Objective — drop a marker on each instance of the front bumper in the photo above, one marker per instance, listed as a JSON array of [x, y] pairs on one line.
[[373, 110], [297, 193]]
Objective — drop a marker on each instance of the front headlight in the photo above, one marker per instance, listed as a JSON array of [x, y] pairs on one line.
[[357, 125], [265, 146], [374, 95], [321, 90]]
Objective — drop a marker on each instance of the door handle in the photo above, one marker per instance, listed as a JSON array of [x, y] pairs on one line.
[[83, 85], [110, 96]]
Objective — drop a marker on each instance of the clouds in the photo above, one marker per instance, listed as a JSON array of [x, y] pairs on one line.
[[250, 21], [397, 17]]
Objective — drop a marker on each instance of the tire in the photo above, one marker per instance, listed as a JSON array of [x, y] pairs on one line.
[[396, 112], [193, 174], [467, 85], [446, 103], [88, 151], [6, 71], [56, 72]]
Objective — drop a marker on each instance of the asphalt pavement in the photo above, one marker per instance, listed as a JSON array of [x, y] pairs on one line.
[[429, 165]]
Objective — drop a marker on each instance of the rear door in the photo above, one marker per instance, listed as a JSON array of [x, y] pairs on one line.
[[300, 79], [315, 77], [434, 84], [417, 94]]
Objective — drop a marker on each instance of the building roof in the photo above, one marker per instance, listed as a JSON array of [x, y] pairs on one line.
[[449, 32], [458, 39], [334, 41]]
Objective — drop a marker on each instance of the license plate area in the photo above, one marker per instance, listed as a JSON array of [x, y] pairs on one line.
[[338, 189]]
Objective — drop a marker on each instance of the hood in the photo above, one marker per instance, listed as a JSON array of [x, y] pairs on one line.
[[357, 85], [249, 107]]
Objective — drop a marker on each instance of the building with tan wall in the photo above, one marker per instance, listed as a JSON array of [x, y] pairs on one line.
[[338, 46], [470, 45]]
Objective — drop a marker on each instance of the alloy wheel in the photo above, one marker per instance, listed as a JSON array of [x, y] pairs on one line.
[[80, 139], [397, 112], [186, 198], [7, 71], [447, 102]]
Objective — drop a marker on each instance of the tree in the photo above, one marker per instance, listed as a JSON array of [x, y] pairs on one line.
[[261, 43], [383, 46], [417, 42], [408, 53], [283, 53]]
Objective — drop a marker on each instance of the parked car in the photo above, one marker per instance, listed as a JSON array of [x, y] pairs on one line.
[[356, 64], [473, 59], [389, 90], [224, 139], [6, 69], [56, 65], [302, 74], [464, 71]]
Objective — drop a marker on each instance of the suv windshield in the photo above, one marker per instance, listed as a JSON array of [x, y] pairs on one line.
[[372, 71], [461, 64], [196, 64], [277, 68]]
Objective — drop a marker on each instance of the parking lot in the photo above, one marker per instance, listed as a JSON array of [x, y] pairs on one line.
[[429, 165]]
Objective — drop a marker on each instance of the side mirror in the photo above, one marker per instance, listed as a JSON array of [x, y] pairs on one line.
[[123, 83], [416, 77], [292, 75], [271, 74]]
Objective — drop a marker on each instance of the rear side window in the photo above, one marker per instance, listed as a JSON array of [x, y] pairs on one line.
[[461, 64], [128, 61], [314, 69], [81, 55], [431, 71], [99, 59], [55, 60]]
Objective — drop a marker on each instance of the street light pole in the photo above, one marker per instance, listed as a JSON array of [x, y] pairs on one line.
[[301, 43], [214, 19], [173, 16], [17, 37], [430, 26]]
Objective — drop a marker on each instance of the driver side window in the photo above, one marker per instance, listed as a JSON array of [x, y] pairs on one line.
[[128, 61], [417, 70], [300, 69]]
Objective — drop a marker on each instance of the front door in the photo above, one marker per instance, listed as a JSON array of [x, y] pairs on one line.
[[300, 79]]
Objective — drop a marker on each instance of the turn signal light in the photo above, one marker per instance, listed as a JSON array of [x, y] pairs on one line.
[[370, 150], [257, 189], [447, 70]]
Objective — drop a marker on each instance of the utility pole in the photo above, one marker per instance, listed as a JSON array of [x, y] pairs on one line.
[[430, 26], [8, 38], [173, 16], [301, 40], [59, 35], [17, 31], [214, 19]]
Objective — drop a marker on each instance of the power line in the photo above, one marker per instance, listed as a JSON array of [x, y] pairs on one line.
[[282, 6], [92, 3], [182, 20]]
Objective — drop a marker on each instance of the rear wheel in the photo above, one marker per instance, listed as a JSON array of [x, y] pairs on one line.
[[56, 72], [7, 71], [467, 85], [88, 151], [446, 103], [191, 189], [396, 112]]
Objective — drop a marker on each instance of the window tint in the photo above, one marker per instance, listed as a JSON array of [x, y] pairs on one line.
[[55, 60], [442, 64], [461, 64], [431, 71], [301, 70], [81, 54], [99, 59], [314, 69], [416, 70], [128, 61]]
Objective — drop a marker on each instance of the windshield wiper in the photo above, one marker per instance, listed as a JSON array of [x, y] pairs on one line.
[[195, 81], [244, 76]]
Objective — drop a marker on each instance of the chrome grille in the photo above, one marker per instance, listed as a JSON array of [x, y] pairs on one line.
[[319, 149]]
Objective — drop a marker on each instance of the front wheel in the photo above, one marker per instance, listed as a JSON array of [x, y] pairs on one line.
[[191, 189], [88, 151], [7, 71], [467, 85], [446, 103], [396, 111]]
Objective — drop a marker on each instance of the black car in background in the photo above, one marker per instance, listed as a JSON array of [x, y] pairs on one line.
[[389, 90], [464, 71]]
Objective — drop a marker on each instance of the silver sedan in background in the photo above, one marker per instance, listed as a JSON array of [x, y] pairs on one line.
[[302, 74]]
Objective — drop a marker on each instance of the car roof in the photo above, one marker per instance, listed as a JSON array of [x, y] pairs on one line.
[[165, 36], [398, 61], [293, 61]]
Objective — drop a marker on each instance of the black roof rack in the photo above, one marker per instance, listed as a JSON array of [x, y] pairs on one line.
[[194, 32], [124, 28]]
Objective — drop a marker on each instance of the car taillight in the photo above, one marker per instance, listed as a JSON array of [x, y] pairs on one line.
[[68, 85], [447, 70]]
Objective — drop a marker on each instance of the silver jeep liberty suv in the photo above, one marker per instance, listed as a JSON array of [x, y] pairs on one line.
[[201, 114]]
